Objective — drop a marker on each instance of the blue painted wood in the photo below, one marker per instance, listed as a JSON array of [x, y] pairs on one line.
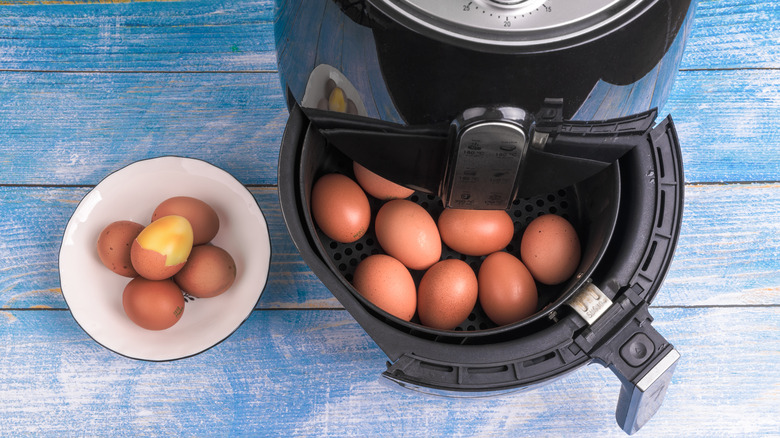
[[726, 123], [74, 128], [300, 366], [734, 34], [33, 219], [728, 253], [316, 373], [200, 35], [236, 35]]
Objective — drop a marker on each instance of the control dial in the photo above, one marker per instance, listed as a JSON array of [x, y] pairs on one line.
[[513, 22]]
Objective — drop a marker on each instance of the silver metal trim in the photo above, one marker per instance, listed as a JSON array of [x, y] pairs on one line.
[[427, 18], [658, 370], [590, 302]]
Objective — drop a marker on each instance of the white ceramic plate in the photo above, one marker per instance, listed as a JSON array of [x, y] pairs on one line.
[[94, 293]]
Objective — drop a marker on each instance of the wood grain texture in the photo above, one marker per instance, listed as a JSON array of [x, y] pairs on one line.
[[35, 218], [238, 35], [726, 121], [169, 36], [87, 87], [74, 128], [327, 383], [728, 253], [731, 34]]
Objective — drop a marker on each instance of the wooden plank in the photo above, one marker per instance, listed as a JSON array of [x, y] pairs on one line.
[[730, 34], [148, 36], [32, 220], [74, 128], [729, 248], [726, 123], [237, 35], [304, 373], [728, 253]]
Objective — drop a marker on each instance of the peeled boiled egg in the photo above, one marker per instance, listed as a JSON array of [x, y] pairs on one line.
[[337, 100], [161, 249], [476, 232], [113, 246], [550, 248], [385, 282], [379, 187], [203, 218], [407, 232], [153, 304], [507, 292], [340, 208], [209, 271], [447, 294]]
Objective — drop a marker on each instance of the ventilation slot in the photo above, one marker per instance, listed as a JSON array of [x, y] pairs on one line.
[[539, 359], [436, 367], [489, 370], [661, 166], [649, 256]]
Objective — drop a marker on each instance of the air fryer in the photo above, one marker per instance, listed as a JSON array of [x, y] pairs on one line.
[[579, 85]]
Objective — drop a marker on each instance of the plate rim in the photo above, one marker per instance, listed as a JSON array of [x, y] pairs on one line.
[[200, 351]]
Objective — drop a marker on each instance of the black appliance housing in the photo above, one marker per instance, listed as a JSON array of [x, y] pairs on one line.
[[398, 70]]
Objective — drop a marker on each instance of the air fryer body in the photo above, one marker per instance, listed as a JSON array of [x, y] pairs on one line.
[[397, 70], [416, 76]]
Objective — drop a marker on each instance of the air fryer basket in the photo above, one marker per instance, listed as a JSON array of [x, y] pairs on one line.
[[634, 211], [591, 206]]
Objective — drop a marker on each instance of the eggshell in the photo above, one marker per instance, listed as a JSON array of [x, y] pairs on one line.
[[378, 187], [340, 208], [162, 248], [407, 232], [153, 304], [209, 271], [203, 219], [113, 246], [550, 248], [447, 294], [507, 292], [476, 232], [385, 282]]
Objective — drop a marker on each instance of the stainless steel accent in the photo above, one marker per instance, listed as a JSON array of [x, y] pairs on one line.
[[658, 370], [539, 140], [486, 167], [638, 403], [590, 302], [519, 23]]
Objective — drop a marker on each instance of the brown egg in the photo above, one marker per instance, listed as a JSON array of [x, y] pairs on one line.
[[385, 282], [209, 272], [340, 208], [162, 248], [113, 246], [153, 304], [203, 218], [447, 294], [378, 187], [407, 232], [476, 232], [550, 248], [507, 292]]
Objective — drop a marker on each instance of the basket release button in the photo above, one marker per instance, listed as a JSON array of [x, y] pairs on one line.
[[637, 350]]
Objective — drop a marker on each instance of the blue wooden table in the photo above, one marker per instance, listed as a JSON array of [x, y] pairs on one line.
[[86, 89]]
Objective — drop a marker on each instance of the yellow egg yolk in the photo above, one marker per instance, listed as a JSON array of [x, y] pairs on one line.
[[170, 236]]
